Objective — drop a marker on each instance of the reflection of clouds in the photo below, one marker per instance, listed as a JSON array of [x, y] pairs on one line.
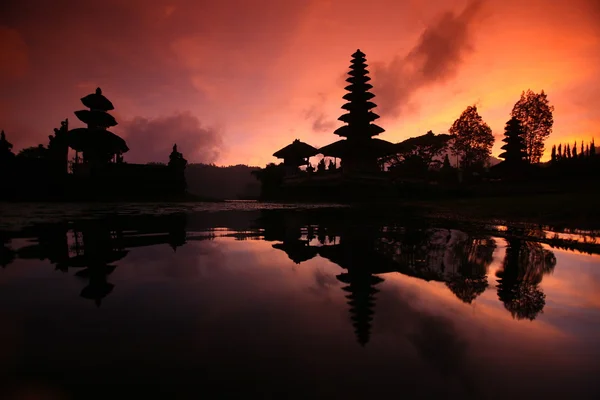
[[323, 281], [434, 336], [192, 260]]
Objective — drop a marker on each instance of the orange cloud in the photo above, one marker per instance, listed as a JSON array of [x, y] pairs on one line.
[[256, 69]]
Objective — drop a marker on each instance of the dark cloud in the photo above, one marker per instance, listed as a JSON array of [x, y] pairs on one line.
[[435, 58], [152, 139], [322, 124]]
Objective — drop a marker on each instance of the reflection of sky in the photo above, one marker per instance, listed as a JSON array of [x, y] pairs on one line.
[[242, 310]]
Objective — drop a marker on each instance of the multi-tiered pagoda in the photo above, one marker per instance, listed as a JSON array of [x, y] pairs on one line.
[[361, 169], [359, 152], [95, 142]]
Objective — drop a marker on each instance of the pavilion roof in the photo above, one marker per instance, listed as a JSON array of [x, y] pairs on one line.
[[83, 139], [97, 101], [376, 147], [296, 149], [297, 251], [96, 117]]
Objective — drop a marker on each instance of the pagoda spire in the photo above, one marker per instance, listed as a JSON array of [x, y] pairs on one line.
[[359, 117]]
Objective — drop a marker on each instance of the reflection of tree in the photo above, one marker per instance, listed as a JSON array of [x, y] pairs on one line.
[[459, 259], [471, 257], [417, 252], [524, 266]]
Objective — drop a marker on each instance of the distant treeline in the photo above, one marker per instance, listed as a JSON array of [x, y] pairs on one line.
[[228, 183]]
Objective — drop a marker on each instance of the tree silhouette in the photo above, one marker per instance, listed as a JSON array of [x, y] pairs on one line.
[[582, 151], [419, 154], [535, 114], [593, 149], [575, 149], [553, 155], [37, 152], [446, 165], [321, 167], [514, 149], [446, 170], [568, 151], [560, 151], [473, 138], [271, 178]]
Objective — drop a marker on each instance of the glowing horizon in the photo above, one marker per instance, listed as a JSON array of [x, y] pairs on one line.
[[233, 90]]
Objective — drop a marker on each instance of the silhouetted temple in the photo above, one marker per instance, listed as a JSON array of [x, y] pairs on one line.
[[295, 155], [96, 172], [360, 171], [359, 151], [95, 142]]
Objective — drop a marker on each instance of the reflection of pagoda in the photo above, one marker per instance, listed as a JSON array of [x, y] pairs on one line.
[[96, 245], [361, 300], [95, 142], [98, 287], [356, 253]]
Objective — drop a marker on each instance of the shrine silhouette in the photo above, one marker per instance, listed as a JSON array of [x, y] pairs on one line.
[[97, 170]]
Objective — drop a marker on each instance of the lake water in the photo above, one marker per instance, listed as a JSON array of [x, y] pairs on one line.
[[232, 300]]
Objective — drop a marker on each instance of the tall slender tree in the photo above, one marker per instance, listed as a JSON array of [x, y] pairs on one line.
[[592, 149], [568, 153], [582, 151], [473, 138], [553, 156], [535, 114], [560, 151], [575, 149]]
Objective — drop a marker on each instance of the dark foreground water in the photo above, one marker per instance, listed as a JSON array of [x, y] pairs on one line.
[[288, 303]]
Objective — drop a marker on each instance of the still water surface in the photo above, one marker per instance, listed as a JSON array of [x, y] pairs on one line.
[[290, 303]]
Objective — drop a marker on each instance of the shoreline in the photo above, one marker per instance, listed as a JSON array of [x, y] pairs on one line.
[[558, 210]]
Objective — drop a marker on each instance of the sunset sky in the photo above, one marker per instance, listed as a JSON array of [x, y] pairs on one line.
[[232, 81]]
